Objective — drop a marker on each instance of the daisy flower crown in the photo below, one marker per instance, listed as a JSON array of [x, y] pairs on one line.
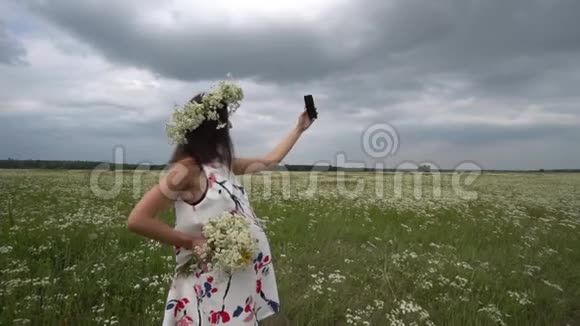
[[191, 115]]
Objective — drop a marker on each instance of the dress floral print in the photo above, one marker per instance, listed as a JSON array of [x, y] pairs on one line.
[[201, 297]]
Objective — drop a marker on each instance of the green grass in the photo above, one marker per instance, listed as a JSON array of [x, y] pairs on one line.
[[508, 257]]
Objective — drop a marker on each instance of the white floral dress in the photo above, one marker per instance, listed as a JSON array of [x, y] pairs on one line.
[[202, 297]]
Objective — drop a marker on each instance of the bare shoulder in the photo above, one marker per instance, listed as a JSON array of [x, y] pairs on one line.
[[181, 174], [188, 163]]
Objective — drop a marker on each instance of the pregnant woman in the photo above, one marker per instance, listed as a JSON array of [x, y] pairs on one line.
[[201, 184]]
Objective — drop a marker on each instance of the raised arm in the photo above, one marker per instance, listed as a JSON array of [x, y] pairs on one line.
[[271, 160]]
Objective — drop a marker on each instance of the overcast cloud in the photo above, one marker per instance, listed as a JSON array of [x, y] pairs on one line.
[[490, 81]]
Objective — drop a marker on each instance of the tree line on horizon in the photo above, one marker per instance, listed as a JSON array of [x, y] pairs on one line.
[[91, 165]]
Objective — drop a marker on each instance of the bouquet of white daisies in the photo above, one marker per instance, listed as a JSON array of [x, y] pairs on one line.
[[229, 245]]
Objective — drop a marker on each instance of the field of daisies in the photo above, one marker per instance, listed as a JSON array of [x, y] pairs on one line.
[[349, 249]]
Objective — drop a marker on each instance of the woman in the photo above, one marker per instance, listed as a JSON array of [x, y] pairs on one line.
[[201, 185]]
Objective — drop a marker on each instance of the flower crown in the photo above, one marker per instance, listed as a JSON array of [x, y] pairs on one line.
[[191, 115]]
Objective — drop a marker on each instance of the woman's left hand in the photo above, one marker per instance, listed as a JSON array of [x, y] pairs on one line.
[[304, 121]]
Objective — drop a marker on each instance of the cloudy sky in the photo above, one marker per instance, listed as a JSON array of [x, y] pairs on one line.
[[490, 81]]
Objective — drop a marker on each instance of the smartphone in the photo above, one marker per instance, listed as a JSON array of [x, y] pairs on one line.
[[310, 108]]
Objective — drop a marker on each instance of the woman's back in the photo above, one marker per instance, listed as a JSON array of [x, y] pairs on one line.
[[198, 296], [243, 297]]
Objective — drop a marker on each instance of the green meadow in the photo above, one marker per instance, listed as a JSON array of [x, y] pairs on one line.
[[349, 249]]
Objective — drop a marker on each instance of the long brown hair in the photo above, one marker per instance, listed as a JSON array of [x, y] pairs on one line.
[[206, 143]]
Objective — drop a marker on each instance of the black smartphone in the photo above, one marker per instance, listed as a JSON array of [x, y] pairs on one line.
[[310, 108]]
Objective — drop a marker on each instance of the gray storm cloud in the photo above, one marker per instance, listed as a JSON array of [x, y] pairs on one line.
[[452, 76], [11, 51]]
